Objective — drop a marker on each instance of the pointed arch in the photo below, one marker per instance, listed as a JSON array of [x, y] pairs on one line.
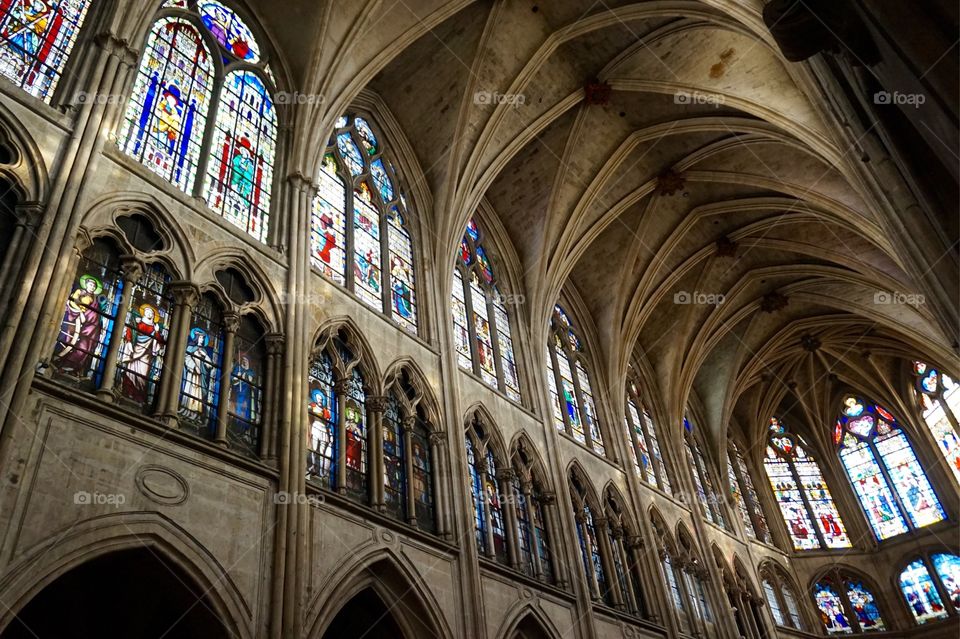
[[488, 472], [847, 600], [393, 579], [531, 495], [527, 621], [346, 330]]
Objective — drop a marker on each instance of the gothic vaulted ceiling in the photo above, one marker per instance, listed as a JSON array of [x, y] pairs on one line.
[[704, 217]]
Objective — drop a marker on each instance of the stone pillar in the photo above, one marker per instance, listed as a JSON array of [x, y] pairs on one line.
[[527, 488], [231, 323], [376, 407], [552, 521], [601, 527], [590, 574], [441, 510], [28, 215], [340, 388], [511, 524], [132, 270], [629, 597], [410, 494], [487, 518], [186, 296], [272, 395]]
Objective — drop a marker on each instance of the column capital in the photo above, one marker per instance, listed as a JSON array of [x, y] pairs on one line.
[[274, 342], [635, 542], [377, 403], [438, 437], [231, 322], [184, 293], [548, 498], [29, 213], [408, 423], [117, 47], [132, 267], [341, 385], [616, 530], [303, 184], [506, 474]]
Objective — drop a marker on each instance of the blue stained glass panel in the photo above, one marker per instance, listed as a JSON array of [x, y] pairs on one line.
[[921, 593], [229, 30], [351, 154], [948, 569], [831, 610], [864, 607]]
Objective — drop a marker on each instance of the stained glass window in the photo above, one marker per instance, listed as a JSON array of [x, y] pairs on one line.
[[710, 501], [167, 113], [947, 568], [246, 385], [394, 474], [671, 578], [355, 439], [772, 601], [89, 315], [592, 558], [793, 610], [802, 494], [477, 495], [229, 30], [492, 497], [737, 494], [864, 607], [877, 455], [939, 399], [641, 440], [145, 337], [541, 538], [203, 368], [482, 310], [921, 593], [240, 170], [749, 495], [36, 38], [324, 422], [422, 477], [831, 609], [574, 410], [360, 237]]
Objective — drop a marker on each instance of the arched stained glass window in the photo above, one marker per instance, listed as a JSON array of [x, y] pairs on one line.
[[145, 337], [359, 231], [89, 316], [793, 610], [240, 170], [493, 493], [166, 125], [245, 404], [710, 502], [480, 310], [939, 398], [745, 495], [587, 539], [36, 38], [394, 471], [773, 601], [203, 368], [533, 540], [324, 422], [846, 604], [779, 594], [801, 493], [422, 477], [947, 568], [890, 484], [489, 509], [642, 442], [355, 440], [477, 496], [921, 593], [574, 411], [832, 612]]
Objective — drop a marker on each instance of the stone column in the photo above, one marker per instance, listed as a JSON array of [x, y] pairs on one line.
[[376, 407], [340, 388], [272, 393], [231, 323], [186, 296], [634, 551], [487, 518], [527, 488], [629, 598], [132, 270], [552, 521], [441, 510], [410, 494], [28, 215], [601, 528], [511, 524]]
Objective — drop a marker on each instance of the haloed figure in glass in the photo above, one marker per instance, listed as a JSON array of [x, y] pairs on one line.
[[81, 328], [321, 434], [198, 371], [140, 352], [244, 391]]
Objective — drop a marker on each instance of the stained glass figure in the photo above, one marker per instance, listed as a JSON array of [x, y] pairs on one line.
[[355, 437], [947, 568], [864, 607], [877, 455], [710, 501], [89, 314], [460, 331], [760, 528], [246, 385], [921, 593], [637, 444], [939, 402], [422, 477], [360, 236], [36, 39], [229, 30], [324, 422], [203, 368], [737, 494], [328, 224], [803, 497], [167, 113], [831, 609], [240, 172], [574, 409], [477, 495], [394, 472], [483, 311], [145, 337]]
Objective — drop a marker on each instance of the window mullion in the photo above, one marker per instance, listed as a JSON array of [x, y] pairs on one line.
[[348, 217], [471, 321], [495, 339], [386, 297], [806, 504]]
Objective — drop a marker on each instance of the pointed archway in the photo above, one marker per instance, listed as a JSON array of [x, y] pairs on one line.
[[129, 593], [365, 616]]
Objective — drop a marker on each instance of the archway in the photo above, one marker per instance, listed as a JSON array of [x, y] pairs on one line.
[[529, 628], [130, 593], [365, 616]]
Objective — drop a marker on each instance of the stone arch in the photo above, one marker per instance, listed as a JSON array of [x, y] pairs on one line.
[[94, 539], [527, 621], [363, 352], [425, 397], [414, 607]]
